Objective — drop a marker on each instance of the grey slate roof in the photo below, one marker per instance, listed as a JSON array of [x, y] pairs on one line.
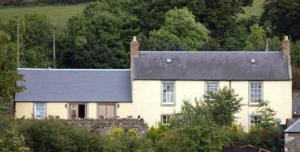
[[294, 128], [296, 106], [84, 85], [211, 65]]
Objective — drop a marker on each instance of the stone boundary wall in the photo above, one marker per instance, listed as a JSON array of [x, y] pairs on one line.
[[104, 126], [292, 142]]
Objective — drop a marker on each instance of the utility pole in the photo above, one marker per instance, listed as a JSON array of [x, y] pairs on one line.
[[54, 53], [18, 42]]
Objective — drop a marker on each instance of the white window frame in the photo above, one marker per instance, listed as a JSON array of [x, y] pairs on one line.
[[207, 83], [251, 94], [165, 97], [36, 113], [167, 117], [250, 119]]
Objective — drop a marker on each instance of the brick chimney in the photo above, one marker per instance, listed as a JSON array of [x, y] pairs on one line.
[[134, 52], [286, 46], [134, 47]]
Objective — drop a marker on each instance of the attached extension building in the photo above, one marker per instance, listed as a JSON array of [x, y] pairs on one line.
[[158, 83]]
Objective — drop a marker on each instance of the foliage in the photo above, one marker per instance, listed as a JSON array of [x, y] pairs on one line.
[[119, 140], [284, 16], [8, 74], [98, 37], [52, 135], [296, 78], [256, 39], [267, 128], [223, 105], [155, 134], [195, 128], [179, 32], [218, 15], [12, 142], [274, 44], [267, 115], [295, 53], [40, 2], [35, 39]]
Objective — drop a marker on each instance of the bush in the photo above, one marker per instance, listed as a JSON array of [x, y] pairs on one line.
[[119, 140], [10, 141], [57, 135]]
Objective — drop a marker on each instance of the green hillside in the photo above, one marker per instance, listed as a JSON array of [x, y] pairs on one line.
[[61, 13], [58, 14], [255, 10]]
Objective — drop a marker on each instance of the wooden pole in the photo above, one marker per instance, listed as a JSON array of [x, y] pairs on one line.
[[54, 53], [18, 42]]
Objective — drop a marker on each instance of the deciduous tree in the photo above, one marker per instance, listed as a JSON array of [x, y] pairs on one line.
[[179, 32], [223, 105]]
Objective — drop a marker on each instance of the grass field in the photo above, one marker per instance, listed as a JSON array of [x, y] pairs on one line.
[[58, 14], [61, 13], [255, 10]]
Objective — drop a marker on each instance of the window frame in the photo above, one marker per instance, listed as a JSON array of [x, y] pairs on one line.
[[250, 119], [250, 92], [211, 82], [106, 105], [35, 110], [173, 95], [168, 116]]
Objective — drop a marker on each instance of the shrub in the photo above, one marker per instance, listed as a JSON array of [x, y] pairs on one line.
[[10, 141], [52, 135]]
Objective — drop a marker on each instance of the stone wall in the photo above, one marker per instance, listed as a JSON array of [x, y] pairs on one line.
[[292, 142], [103, 126]]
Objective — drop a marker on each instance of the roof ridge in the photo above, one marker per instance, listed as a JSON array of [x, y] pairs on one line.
[[45, 69], [211, 52]]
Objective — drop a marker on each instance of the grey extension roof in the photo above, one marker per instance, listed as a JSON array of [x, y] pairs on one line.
[[294, 128], [74, 85], [211, 65]]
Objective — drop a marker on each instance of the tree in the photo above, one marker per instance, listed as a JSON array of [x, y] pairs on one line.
[[283, 16], [98, 37], [219, 16], [295, 53], [35, 39], [266, 128], [223, 105], [256, 39], [193, 129], [179, 32], [8, 73], [274, 43]]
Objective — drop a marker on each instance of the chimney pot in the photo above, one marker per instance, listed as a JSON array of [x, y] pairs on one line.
[[286, 46]]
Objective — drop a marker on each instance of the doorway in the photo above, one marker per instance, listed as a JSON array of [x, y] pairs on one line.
[[77, 111], [81, 111]]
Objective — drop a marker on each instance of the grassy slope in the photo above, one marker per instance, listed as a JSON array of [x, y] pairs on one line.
[[58, 14], [255, 10]]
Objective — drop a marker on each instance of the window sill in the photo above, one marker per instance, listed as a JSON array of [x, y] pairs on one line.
[[168, 104], [253, 104]]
